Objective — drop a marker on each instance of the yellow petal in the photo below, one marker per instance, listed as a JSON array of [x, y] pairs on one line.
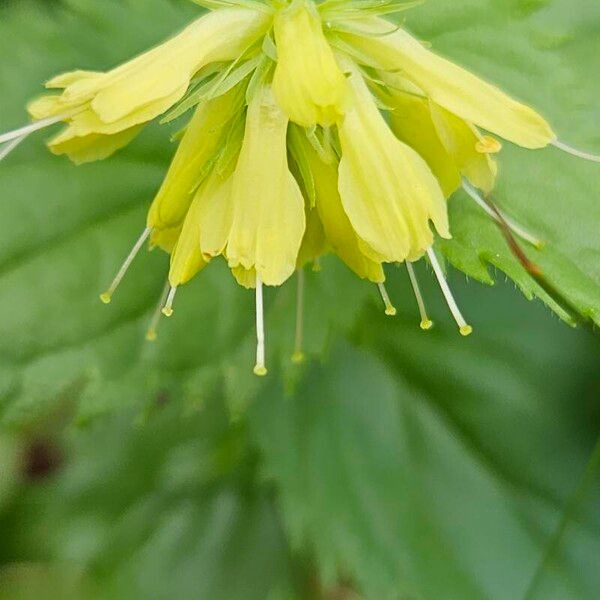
[[461, 141], [221, 35], [387, 190], [187, 258], [87, 121], [66, 79], [412, 123], [268, 208], [245, 277], [91, 147], [146, 86], [201, 141], [165, 238], [217, 217], [308, 83], [454, 88], [314, 242], [336, 225]]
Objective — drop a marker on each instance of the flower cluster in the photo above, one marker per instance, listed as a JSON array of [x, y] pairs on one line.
[[317, 127]]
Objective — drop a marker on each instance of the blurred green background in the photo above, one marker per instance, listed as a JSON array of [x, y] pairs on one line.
[[394, 464]]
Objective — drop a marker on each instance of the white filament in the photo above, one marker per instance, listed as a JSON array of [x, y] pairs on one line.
[[390, 309], [259, 368], [298, 355], [514, 227], [23, 132], [426, 322], [10, 146], [168, 307], [106, 296], [574, 152], [465, 328], [151, 332]]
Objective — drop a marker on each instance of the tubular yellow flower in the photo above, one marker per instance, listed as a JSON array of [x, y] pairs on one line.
[[452, 87], [268, 208], [308, 84], [387, 190], [106, 104], [365, 187]]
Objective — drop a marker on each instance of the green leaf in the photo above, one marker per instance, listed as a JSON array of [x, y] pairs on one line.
[[424, 466], [170, 507]]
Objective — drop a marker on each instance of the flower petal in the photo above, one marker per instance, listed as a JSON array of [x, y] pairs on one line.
[[460, 139], [200, 143], [217, 36], [268, 207], [187, 258], [387, 190], [454, 88], [91, 147], [217, 218], [412, 123], [336, 225], [308, 84]]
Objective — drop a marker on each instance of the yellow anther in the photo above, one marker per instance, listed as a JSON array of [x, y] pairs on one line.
[[105, 297], [426, 325], [466, 330], [488, 145], [260, 371], [390, 309], [167, 309]]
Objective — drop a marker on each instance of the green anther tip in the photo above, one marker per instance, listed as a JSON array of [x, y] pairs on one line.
[[151, 335], [105, 297], [466, 330], [167, 311]]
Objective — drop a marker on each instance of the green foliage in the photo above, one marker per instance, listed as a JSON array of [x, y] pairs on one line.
[[399, 463]]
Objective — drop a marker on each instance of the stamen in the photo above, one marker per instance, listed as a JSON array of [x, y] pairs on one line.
[[107, 295], [426, 322], [259, 367], [10, 146], [298, 355], [316, 266], [167, 309], [464, 327], [574, 152], [23, 132], [390, 309], [151, 333], [488, 145], [516, 229]]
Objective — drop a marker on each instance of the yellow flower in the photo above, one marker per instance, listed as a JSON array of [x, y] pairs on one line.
[[104, 111], [334, 221], [267, 216], [450, 86], [387, 190], [451, 146], [308, 84], [289, 153]]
